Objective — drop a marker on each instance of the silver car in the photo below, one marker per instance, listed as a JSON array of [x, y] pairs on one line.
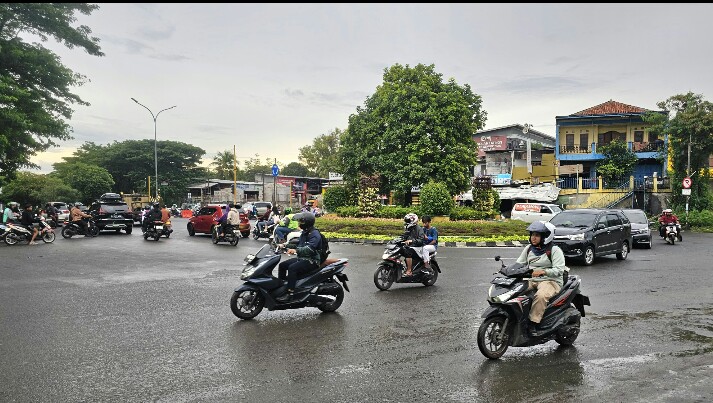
[[640, 230]]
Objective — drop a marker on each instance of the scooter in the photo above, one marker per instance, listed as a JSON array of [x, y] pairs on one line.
[[506, 319], [319, 288], [154, 230], [16, 233], [392, 267], [267, 229], [167, 229], [71, 228], [672, 233], [229, 236]]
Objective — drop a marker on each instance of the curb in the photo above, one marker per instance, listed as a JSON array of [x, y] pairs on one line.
[[490, 244]]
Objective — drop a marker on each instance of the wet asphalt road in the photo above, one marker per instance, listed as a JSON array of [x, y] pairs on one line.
[[117, 318]]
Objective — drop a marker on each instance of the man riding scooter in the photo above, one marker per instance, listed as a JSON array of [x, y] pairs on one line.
[[667, 217]]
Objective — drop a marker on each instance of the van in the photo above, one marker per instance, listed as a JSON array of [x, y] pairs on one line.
[[531, 212]]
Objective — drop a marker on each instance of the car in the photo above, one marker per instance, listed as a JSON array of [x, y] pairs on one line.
[[261, 207], [112, 213], [202, 222], [640, 227], [585, 234], [531, 212], [63, 211]]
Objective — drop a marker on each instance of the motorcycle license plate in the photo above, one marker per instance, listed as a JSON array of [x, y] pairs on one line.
[[159, 227], [502, 281]]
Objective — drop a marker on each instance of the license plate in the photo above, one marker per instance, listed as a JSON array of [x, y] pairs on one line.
[[159, 227]]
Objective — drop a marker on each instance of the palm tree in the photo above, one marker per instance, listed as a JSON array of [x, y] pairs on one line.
[[223, 163]]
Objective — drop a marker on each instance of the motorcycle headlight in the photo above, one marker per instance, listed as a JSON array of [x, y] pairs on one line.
[[576, 237], [505, 296], [247, 272]]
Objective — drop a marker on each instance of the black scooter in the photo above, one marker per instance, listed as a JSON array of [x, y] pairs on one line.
[[392, 267], [230, 236], [71, 228], [318, 288], [267, 229], [505, 321]]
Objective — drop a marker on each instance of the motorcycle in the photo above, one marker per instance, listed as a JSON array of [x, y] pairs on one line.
[[317, 289], [16, 233], [506, 319], [167, 229], [154, 230], [229, 236], [71, 228], [267, 229], [392, 267], [672, 233]]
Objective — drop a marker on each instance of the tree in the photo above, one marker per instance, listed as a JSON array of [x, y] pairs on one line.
[[691, 124], [322, 157], [224, 163], [435, 199], [253, 167], [38, 189], [413, 129], [296, 169], [90, 180], [618, 162], [34, 85]]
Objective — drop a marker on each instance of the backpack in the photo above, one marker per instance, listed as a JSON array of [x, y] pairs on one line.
[[323, 248]]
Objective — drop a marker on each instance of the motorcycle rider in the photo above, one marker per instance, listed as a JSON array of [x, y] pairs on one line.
[[413, 236], [77, 216], [51, 212], [547, 262], [28, 221], [667, 217], [287, 225], [264, 220], [11, 213], [165, 214], [431, 240], [153, 215], [232, 219], [307, 251]]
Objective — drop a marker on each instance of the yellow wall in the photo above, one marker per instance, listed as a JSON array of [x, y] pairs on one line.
[[594, 131]]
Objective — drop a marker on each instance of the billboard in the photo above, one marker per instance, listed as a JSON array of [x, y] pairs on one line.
[[490, 143]]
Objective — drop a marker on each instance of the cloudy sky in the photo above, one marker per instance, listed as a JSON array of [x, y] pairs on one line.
[[269, 78]]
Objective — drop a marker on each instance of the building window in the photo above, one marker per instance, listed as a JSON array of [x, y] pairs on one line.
[[606, 138], [584, 141], [653, 137], [638, 136], [570, 140]]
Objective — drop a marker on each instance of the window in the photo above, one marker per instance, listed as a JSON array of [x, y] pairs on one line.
[[545, 210], [638, 136], [608, 137], [584, 140], [570, 140], [602, 222], [653, 137], [614, 220]]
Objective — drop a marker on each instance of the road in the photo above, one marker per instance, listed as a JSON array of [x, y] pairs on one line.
[[117, 318]]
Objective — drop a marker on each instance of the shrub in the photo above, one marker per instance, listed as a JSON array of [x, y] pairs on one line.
[[336, 196], [396, 211], [699, 219], [467, 213], [435, 199], [348, 211]]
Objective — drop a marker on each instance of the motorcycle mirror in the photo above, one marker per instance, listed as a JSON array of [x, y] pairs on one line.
[[497, 258]]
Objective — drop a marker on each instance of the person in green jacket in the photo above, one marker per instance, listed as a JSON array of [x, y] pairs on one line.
[[287, 224], [547, 262]]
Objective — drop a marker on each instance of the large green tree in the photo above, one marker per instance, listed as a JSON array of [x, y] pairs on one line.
[[297, 169], [414, 128], [253, 166], [35, 95], [618, 162], [223, 165], [90, 180], [322, 157], [38, 189], [690, 122]]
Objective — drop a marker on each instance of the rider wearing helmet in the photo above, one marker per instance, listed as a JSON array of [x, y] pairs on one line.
[[77, 216], [413, 236], [11, 212], [307, 251], [667, 217], [153, 215], [287, 224], [547, 263]]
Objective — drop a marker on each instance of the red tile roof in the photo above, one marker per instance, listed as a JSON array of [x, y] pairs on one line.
[[610, 107]]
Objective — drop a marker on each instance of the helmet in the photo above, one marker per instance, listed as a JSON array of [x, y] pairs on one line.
[[77, 204], [156, 205], [667, 211], [545, 229], [11, 204], [410, 220], [305, 220], [288, 210]]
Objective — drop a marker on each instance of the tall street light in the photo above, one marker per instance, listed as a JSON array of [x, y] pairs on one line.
[[155, 152]]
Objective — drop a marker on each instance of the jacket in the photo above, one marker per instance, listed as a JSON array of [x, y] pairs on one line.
[[431, 235], [668, 219], [415, 233], [308, 246], [233, 216], [77, 214], [537, 259]]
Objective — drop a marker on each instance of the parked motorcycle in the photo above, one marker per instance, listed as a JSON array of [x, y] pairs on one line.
[[267, 230], [229, 236], [392, 267], [317, 289], [672, 233], [154, 230], [506, 319], [15, 233], [71, 228]]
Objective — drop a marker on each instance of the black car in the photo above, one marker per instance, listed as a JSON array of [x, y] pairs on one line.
[[640, 229], [585, 234], [111, 213]]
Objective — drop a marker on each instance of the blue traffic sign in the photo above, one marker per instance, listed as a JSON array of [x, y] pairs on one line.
[[275, 170]]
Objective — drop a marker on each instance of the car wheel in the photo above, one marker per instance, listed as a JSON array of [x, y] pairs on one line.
[[191, 230], [588, 255], [648, 245], [624, 251]]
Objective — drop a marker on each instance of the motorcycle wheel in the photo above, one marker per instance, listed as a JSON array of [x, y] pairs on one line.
[[214, 236], [234, 240], [568, 340], [432, 280], [156, 236], [384, 277], [146, 235], [67, 232], [11, 239], [245, 234], [335, 304], [94, 231], [48, 237], [246, 304], [128, 230], [256, 235], [672, 239], [489, 341]]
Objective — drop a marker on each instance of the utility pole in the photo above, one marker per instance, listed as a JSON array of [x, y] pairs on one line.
[[688, 172], [235, 176]]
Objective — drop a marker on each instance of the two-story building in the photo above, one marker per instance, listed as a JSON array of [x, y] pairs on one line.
[[581, 134]]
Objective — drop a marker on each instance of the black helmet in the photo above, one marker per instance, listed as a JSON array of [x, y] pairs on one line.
[[156, 205], [305, 220]]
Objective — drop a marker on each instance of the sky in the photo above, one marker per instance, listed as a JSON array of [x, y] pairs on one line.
[[268, 79]]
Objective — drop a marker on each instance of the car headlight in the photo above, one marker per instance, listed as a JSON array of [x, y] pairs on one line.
[[576, 237]]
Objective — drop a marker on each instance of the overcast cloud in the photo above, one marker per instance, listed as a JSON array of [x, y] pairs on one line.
[[269, 78]]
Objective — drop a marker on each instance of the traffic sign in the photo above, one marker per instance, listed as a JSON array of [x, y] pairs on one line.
[[275, 170], [686, 183], [685, 192]]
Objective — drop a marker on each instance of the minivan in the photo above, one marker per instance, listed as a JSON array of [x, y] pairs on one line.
[[531, 212]]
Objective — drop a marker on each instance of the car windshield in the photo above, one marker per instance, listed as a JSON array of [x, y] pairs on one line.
[[574, 219], [555, 209], [638, 217], [262, 204]]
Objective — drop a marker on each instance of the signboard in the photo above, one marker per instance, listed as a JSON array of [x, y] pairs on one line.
[[686, 192], [334, 176], [275, 170], [501, 179], [534, 208], [686, 183], [490, 143], [571, 169]]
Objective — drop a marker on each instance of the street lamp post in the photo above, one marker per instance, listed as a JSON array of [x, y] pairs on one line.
[[155, 152]]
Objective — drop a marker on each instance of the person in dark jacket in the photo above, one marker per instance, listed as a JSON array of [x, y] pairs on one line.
[[414, 237], [28, 221], [153, 215], [307, 252]]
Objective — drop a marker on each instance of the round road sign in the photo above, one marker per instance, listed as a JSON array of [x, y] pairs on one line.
[[686, 183]]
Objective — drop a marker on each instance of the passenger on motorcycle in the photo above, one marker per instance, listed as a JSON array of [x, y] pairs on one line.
[[547, 262], [307, 252], [11, 213], [413, 236], [153, 215], [51, 211], [232, 219], [77, 216], [431, 240], [165, 214], [264, 220], [28, 221], [287, 225], [667, 217]]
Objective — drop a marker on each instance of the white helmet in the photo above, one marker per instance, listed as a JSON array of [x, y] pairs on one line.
[[545, 229], [667, 211], [410, 220]]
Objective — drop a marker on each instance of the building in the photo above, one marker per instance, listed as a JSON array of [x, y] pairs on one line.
[[221, 190], [580, 134]]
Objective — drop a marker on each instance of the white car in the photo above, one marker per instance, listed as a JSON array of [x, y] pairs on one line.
[[531, 212]]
